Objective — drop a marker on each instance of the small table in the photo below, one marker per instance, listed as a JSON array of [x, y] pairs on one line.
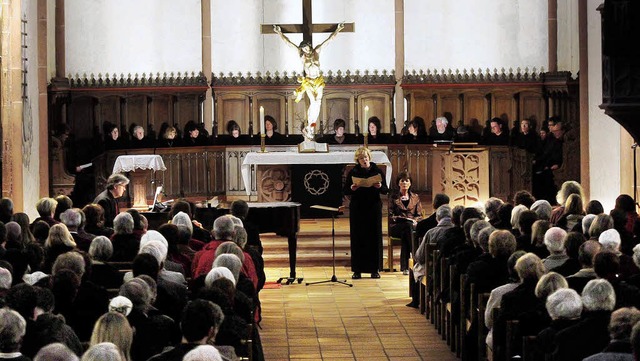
[[139, 180]]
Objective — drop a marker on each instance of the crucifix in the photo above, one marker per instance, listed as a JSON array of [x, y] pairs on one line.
[[311, 83]]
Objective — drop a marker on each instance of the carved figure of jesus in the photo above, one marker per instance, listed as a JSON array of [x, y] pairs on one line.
[[311, 83]]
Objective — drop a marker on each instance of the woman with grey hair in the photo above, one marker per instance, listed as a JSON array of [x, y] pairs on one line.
[[102, 273], [491, 207], [105, 351], [230, 261], [564, 307], [183, 219], [554, 241], [55, 352], [218, 272], [125, 242], [543, 209], [515, 219], [46, 207], [601, 223], [203, 352], [12, 330]]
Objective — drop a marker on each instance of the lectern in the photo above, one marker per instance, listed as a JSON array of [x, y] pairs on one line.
[[142, 168]]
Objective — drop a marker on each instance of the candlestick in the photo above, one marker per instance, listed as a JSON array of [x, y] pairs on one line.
[[262, 120], [262, 143], [366, 114]]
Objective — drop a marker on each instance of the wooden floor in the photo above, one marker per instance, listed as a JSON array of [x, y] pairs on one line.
[[331, 321]]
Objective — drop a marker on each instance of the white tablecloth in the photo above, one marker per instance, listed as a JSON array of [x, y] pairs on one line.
[[129, 163], [278, 158]]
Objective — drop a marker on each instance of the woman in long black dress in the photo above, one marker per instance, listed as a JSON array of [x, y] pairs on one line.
[[365, 216]]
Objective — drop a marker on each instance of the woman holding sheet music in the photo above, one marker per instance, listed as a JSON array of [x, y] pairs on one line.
[[405, 210], [364, 184]]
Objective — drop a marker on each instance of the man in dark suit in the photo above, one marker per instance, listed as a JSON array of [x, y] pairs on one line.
[[116, 186], [430, 222]]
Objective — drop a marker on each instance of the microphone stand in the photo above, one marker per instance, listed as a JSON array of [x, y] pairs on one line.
[[333, 278]]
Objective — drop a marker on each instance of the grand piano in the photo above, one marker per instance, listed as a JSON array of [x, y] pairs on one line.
[[281, 218]]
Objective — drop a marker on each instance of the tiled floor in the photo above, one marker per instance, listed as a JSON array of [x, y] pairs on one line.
[[368, 321]]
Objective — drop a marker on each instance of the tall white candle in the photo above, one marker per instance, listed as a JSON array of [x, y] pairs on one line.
[[262, 120], [366, 115]]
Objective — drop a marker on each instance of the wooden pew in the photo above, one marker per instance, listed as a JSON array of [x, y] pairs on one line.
[[482, 298]]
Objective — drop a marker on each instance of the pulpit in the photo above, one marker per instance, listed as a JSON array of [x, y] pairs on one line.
[[141, 168]]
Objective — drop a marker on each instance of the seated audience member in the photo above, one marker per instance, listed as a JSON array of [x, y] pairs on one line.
[[538, 231], [590, 335], [198, 232], [572, 243], [504, 216], [102, 273], [46, 207], [179, 251], [108, 199], [498, 134], [405, 211], [56, 352], [443, 130], [416, 133], [627, 241], [571, 218], [587, 221], [113, 327], [200, 323], [465, 134], [554, 241], [621, 325], [125, 243], [568, 188], [515, 219], [12, 330], [522, 299], [95, 221], [90, 301], [183, 221], [112, 139], [169, 138], [607, 266], [496, 294], [247, 266], [601, 223], [272, 137], [594, 207], [564, 307], [488, 273], [192, 136], [58, 242], [340, 136], [610, 241], [426, 224], [223, 230], [525, 228], [48, 328], [170, 271], [63, 203], [627, 205], [240, 239], [525, 198], [586, 254], [526, 138], [203, 352], [154, 331], [543, 209], [72, 219], [105, 351], [240, 209], [6, 209], [139, 228], [491, 207]]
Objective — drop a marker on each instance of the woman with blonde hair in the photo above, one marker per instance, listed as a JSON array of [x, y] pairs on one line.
[[113, 327], [365, 215], [58, 242], [568, 188]]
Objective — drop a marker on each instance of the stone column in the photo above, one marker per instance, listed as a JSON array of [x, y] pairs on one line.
[[11, 102], [583, 52], [399, 61], [206, 62], [60, 42], [43, 115], [552, 19]]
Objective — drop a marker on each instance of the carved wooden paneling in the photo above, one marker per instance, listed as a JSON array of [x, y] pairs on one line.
[[500, 177], [532, 108], [233, 107], [273, 105], [422, 106], [137, 111], [504, 106], [274, 183], [234, 157], [475, 107], [378, 104], [338, 106], [520, 169], [450, 103], [81, 117]]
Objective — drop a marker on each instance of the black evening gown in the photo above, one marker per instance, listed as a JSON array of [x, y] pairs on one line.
[[365, 221]]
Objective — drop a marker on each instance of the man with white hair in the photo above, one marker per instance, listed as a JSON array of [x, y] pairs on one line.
[[12, 330], [610, 241], [443, 216], [564, 307], [73, 219], [442, 131], [554, 240], [223, 230]]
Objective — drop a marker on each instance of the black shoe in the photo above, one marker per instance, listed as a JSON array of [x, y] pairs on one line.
[[375, 275], [356, 276], [413, 304]]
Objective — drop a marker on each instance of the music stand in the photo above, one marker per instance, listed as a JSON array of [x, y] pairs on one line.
[[333, 278]]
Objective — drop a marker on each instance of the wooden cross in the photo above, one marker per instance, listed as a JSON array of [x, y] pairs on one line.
[[307, 28]]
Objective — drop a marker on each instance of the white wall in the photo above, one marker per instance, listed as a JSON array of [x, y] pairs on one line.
[[124, 36], [465, 34], [238, 45], [31, 124], [568, 42], [604, 132]]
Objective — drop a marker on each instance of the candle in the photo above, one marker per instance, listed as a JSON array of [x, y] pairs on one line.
[[262, 120], [366, 114]]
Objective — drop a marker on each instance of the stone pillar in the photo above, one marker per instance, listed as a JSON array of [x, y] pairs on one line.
[[399, 61], [43, 115], [11, 102], [552, 19], [206, 62], [584, 96], [60, 42]]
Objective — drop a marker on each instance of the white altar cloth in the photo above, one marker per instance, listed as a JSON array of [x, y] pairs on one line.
[[129, 163], [279, 158]]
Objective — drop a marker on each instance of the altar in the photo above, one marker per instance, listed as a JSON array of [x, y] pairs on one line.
[[274, 174]]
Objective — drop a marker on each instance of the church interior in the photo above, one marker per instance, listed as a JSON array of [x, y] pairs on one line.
[[203, 105]]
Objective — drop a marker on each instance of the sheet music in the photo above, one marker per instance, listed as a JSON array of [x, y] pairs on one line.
[[367, 182], [325, 208]]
